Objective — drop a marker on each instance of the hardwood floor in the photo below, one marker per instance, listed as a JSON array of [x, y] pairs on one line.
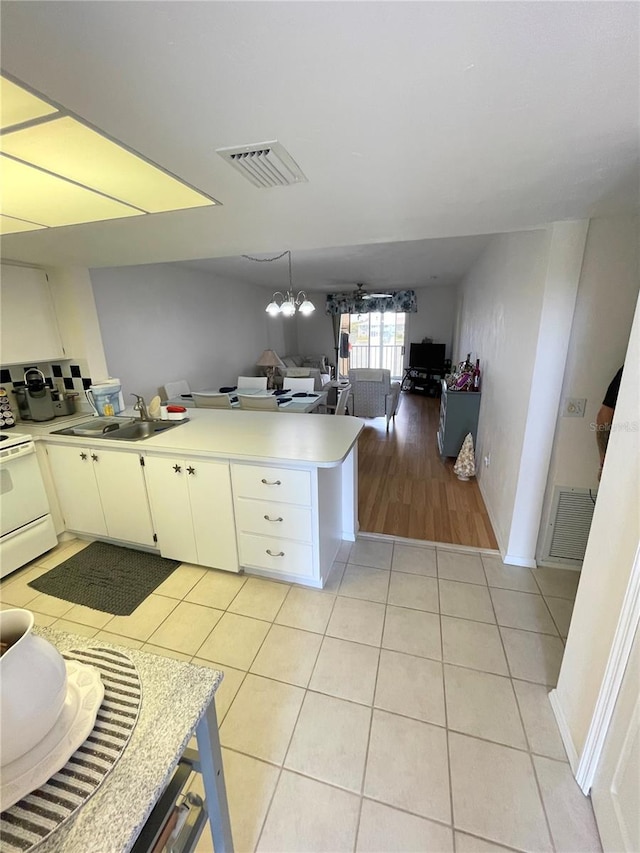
[[407, 489]]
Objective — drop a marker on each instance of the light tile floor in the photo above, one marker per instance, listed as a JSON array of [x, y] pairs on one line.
[[404, 705]]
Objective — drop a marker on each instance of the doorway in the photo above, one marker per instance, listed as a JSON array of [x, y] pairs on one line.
[[376, 339]]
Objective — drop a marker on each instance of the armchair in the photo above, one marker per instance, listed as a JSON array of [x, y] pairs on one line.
[[373, 393]]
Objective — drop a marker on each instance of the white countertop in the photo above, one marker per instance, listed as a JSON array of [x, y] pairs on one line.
[[319, 440]]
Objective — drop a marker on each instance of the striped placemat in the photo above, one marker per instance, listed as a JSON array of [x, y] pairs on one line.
[[27, 823]]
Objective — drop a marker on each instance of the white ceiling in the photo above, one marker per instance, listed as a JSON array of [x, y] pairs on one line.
[[415, 263], [411, 120]]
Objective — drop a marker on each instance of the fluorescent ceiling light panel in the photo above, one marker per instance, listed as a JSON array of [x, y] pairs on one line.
[[68, 148], [9, 225], [18, 105], [36, 196]]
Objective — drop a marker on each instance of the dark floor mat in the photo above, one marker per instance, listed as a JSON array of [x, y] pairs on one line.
[[106, 577]]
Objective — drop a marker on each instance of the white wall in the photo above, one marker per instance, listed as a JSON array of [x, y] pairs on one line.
[[500, 304], [566, 252], [164, 322], [605, 304], [435, 317], [614, 537]]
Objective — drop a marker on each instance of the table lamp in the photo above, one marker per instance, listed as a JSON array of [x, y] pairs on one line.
[[270, 360]]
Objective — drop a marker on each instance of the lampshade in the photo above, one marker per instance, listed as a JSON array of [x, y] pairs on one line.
[[269, 358]]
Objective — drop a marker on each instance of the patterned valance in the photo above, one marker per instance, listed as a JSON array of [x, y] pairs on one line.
[[401, 302]]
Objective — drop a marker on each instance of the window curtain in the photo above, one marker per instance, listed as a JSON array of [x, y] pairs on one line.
[[401, 302]]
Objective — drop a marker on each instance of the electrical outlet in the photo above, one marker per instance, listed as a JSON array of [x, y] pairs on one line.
[[574, 407], [487, 460]]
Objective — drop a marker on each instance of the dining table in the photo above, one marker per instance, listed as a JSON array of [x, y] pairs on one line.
[[294, 404]]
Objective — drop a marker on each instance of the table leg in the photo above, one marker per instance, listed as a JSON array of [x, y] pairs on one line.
[[213, 778]]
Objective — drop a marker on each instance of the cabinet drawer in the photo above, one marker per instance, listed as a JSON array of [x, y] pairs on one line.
[[273, 519], [276, 555], [272, 484]]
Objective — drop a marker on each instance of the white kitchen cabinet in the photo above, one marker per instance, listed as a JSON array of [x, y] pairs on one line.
[[102, 492], [28, 326], [192, 508], [288, 520]]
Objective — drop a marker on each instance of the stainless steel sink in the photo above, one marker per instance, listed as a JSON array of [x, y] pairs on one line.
[[118, 429], [141, 429]]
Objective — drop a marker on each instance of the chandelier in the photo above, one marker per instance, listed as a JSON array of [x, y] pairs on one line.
[[286, 303]]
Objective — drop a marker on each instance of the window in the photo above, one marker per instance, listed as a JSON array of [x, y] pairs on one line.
[[375, 340]]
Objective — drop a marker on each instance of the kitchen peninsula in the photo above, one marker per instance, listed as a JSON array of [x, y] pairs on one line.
[[228, 489]]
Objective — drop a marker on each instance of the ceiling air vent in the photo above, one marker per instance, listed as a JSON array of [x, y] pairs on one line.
[[267, 164]]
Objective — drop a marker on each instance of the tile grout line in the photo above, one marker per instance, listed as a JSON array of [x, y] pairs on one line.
[[446, 715], [531, 762], [373, 700], [293, 728]]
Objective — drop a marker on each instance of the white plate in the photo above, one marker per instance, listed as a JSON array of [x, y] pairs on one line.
[[85, 692]]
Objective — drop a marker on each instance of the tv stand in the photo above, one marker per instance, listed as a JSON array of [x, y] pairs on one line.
[[423, 380]]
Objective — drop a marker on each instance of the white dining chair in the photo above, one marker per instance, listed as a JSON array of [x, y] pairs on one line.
[[254, 401], [176, 389], [343, 399], [254, 382], [211, 401], [297, 384]]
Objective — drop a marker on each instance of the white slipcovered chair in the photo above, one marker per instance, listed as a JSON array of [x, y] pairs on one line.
[[298, 384], [253, 382], [256, 402], [211, 401], [373, 393]]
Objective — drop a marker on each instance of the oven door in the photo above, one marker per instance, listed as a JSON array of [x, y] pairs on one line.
[[21, 488]]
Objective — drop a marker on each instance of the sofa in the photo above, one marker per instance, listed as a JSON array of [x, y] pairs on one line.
[[315, 366], [373, 394]]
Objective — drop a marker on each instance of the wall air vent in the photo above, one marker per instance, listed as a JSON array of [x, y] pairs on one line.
[[570, 522], [266, 165]]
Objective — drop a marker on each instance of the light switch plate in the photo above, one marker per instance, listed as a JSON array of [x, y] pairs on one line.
[[574, 407]]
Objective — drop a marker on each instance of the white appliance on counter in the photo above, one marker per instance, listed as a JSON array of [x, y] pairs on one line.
[[26, 525]]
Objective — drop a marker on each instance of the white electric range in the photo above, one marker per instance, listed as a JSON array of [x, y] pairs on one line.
[[26, 526]]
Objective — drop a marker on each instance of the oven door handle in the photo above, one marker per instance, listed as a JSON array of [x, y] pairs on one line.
[[12, 453]]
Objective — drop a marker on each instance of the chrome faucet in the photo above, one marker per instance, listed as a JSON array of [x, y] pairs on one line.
[[141, 406]]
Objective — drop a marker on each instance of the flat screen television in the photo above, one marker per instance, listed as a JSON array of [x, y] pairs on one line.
[[427, 356]]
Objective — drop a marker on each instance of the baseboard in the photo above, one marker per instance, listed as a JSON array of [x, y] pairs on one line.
[[510, 560], [565, 734]]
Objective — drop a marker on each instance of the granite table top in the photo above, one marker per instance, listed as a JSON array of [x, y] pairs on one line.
[[175, 696]]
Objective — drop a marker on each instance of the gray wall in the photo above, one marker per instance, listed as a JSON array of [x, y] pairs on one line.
[[164, 322]]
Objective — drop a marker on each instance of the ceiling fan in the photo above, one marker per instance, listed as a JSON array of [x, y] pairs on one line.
[[361, 293]]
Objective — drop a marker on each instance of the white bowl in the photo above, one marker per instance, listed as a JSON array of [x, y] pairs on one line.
[[33, 685]]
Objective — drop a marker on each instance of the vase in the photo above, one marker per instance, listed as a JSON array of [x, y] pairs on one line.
[[33, 685]]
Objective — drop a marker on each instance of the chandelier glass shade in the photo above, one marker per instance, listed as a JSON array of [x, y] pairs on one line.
[[288, 303]]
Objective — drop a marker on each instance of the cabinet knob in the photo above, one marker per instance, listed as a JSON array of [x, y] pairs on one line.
[[177, 469], [94, 456], [266, 518], [191, 470], [83, 456], [271, 554], [271, 482]]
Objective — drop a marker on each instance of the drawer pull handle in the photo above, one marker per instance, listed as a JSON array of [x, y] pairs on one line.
[[271, 554], [271, 482], [94, 457], [266, 518]]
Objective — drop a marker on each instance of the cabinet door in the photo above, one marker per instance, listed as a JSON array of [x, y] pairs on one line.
[[75, 482], [123, 495], [29, 328], [169, 496], [212, 510]]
